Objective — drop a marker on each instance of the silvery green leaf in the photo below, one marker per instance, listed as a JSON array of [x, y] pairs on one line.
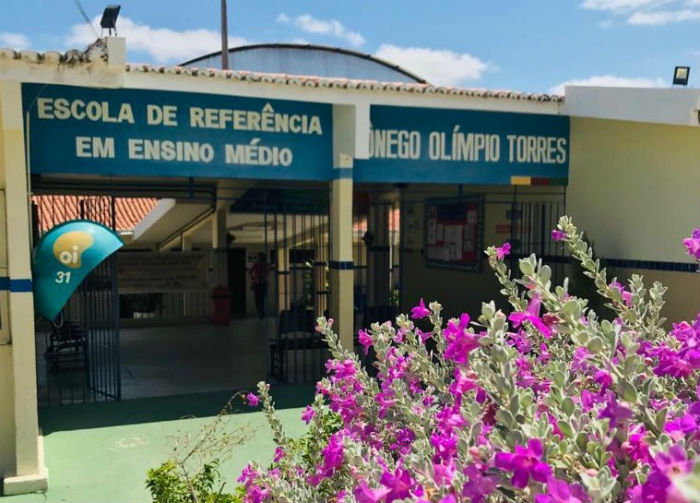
[[567, 406], [559, 379], [514, 405], [595, 345], [545, 273], [516, 437], [660, 418], [582, 441], [526, 267], [573, 309], [565, 428], [505, 418], [627, 391]]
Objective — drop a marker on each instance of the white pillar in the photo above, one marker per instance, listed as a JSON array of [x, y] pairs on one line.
[[29, 473]]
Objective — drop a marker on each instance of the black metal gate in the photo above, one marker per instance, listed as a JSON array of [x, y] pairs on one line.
[[78, 353], [377, 257], [295, 241], [531, 225]]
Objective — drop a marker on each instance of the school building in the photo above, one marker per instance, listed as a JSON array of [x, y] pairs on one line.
[[308, 181]]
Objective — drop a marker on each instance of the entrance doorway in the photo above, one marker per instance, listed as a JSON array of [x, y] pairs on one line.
[[142, 323]]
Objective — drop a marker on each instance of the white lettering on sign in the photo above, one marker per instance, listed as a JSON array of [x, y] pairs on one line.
[[250, 120], [165, 115], [145, 149], [536, 149], [258, 155], [467, 146], [94, 147], [394, 144], [95, 111]]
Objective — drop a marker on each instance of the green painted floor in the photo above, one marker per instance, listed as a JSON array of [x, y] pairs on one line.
[[101, 452]]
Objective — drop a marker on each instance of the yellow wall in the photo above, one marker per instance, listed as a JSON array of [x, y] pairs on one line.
[[635, 190], [459, 291]]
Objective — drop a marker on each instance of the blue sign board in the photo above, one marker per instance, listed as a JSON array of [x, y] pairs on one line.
[[428, 145], [85, 130]]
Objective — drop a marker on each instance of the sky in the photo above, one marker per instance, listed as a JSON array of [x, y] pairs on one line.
[[523, 45]]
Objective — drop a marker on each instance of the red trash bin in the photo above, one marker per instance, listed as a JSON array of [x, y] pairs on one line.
[[221, 305]]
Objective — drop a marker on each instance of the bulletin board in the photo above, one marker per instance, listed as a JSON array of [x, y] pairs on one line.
[[454, 230]]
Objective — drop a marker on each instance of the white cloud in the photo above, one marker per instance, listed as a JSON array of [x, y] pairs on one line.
[[440, 67], [621, 5], [663, 17], [648, 12], [609, 81], [162, 44], [14, 40], [327, 27]]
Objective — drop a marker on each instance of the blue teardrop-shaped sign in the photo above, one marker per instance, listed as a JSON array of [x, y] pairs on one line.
[[62, 259]]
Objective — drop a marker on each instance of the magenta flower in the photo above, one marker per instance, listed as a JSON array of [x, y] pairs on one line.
[[252, 399], [462, 383], [532, 315], [578, 361], [332, 455], [479, 486], [614, 411], [460, 342], [659, 487], [636, 446], [558, 235], [364, 339], [363, 493], [692, 244], [420, 311], [308, 414], [681, 426], [399, 484], [604, 379], [626, 294], [559, 491], [279, 454], [525, 463], [502, 251], [445, 446]]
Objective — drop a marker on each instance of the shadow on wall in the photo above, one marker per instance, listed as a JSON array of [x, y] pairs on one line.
[[170, 408]]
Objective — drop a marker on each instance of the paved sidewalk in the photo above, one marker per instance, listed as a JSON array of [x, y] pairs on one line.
[[101, 452]]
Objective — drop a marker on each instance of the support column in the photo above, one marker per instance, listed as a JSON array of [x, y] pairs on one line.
[[27, 472], [350, 141], [342, 272]]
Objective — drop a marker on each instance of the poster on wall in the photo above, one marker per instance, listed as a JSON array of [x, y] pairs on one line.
[[454, 233], [154, 272]]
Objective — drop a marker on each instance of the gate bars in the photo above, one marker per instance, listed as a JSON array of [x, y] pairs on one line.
[[78, 354]]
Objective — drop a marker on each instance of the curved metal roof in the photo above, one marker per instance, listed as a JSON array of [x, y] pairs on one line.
[[308, 59]]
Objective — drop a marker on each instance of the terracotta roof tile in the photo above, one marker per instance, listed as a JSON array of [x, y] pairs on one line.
[[56, 209], [99, 52]]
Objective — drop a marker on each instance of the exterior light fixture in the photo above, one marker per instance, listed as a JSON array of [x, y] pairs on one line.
[[109, 18], [681, 75]]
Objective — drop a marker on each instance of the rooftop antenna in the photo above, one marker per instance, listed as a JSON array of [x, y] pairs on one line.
[[85, 17]]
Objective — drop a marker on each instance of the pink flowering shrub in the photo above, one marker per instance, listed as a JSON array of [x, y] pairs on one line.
[[548, 404]]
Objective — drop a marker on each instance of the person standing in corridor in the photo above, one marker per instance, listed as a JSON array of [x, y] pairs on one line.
[[259, 272]]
